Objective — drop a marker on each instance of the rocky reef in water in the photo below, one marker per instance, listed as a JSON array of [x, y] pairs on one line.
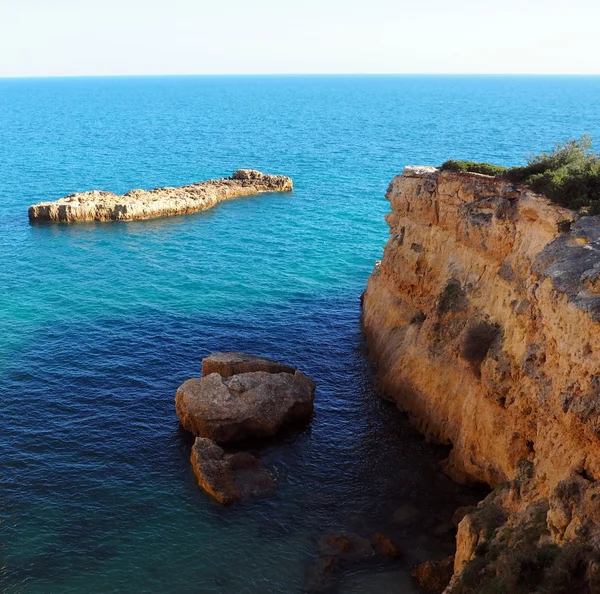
[[240, 397], [143, 204], [484, 320]]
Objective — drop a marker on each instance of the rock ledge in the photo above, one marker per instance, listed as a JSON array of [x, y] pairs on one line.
[[142, 204]]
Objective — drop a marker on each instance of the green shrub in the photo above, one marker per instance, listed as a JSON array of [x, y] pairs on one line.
[[527, 567], [473, 167], [570, 154], [569, 174], [488, 517]]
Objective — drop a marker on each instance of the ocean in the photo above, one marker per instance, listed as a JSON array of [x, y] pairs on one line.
[[101, 322]]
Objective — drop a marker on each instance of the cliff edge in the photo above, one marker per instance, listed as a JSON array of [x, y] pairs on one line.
[[484, 319], [142, 204]]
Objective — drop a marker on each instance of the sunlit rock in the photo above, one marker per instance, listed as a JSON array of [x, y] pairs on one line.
[[244, 405], [142, 204]]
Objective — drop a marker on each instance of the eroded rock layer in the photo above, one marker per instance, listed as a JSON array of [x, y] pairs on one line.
[[142, 204], [484, 319]]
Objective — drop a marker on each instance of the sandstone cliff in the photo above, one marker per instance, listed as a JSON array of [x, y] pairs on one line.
[[142, 204], [484, 319]]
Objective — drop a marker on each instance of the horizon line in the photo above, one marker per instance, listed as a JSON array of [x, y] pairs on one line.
[[299, 74]]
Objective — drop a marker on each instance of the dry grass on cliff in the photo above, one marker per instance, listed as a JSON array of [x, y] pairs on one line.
[[532, 569], [521, 560]]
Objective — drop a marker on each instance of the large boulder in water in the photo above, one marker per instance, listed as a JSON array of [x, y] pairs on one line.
[[229, 478], [256, 402]]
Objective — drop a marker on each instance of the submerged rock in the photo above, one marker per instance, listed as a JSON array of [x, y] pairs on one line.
[[386, 546], [434, 576], [344, 552], [346, 548], [406, 515], [322, 576], [141, 204], [244, 405], [229, 478]]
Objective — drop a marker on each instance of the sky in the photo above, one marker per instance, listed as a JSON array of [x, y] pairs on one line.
[[125, 37]]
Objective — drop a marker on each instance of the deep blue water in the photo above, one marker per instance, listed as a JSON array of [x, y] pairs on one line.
[[99, 323]]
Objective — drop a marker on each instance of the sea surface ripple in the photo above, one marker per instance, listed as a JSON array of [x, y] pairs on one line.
[[99, 323]]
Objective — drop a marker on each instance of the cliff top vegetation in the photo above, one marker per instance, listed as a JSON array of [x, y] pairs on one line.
[[569, 174]]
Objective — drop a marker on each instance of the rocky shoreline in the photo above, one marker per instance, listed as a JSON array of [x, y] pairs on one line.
[[141, 204], [483, 318]]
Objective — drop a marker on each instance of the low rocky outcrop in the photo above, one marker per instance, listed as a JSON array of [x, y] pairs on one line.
[[142, 204], [252, 404], [348, 548], [229, 478], [484, 320]]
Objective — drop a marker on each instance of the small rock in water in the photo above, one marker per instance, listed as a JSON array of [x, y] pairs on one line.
[[385, 546], [343, 552], [406, 515], [240, 396], [346, 547], [229, 478], [352, 547]]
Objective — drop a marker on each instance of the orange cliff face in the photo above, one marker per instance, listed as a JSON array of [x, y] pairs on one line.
[[484, 319]]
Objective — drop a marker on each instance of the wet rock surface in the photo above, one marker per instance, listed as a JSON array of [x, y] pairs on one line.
[[247, 405], [229, 478], [241, 396]]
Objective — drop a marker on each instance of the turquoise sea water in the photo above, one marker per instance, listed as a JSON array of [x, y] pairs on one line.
[[99, 323]]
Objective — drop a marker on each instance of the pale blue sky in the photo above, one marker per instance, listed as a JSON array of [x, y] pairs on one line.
[[108, 37]]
